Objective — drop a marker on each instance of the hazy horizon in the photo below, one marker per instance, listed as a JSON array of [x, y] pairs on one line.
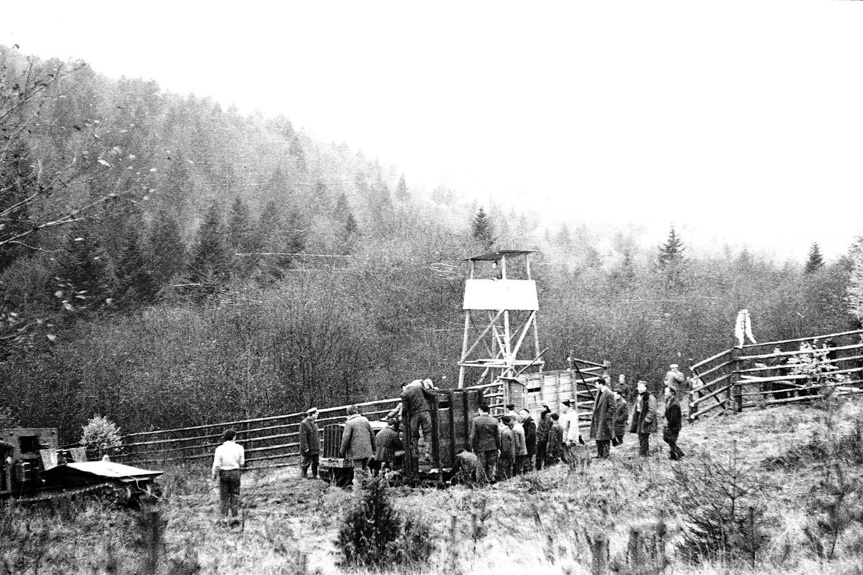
[[736, 123]]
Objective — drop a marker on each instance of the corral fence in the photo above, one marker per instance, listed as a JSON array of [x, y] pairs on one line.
[[274, 441], [268, 441], [776, 373]]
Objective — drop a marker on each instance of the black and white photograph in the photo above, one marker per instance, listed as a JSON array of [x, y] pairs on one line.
[[370, 287]]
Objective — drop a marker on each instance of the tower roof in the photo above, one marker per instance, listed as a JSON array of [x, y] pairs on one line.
[[498, 255]]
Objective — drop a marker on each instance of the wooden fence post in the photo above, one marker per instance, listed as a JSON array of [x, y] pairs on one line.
[[735, 399], [598, 542]]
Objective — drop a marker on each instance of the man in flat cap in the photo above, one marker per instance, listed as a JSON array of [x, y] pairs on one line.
[[310, 443], [674, 376]]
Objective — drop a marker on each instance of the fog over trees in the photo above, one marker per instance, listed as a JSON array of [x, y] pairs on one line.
[[166, 262]]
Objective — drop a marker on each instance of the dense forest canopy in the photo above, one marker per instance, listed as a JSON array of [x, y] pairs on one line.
[[165, 262]]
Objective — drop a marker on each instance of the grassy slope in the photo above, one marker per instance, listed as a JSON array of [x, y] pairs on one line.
[[533, 525]]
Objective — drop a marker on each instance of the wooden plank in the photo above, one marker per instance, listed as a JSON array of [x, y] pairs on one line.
[[711, 383], [701, 363], [712, 394], [708, 409], [798, 340], [807, 352], [820, 361], [714, 368]]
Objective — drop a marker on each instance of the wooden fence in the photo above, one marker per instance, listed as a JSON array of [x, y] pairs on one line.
[[777, 372], [274, 441], [268, 441]]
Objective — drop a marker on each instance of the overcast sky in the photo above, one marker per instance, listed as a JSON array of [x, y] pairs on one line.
[[739, 122]]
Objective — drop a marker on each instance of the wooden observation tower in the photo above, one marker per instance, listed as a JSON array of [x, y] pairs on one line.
[[500, 305]]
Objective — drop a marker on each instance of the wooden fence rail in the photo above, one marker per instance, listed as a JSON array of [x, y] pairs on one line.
[[758, 375], [274, 441]]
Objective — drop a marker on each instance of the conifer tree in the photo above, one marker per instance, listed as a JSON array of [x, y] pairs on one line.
[[296, 151], [211, 262], [295, 233], [402, 190], [83, 271], [815, 261], [481, 229], [671, 252], [241, 238], [135, 282], [166, 253]]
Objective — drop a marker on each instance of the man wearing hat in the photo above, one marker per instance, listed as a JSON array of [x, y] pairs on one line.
[[310, 443], [602, 419], [674, 376]]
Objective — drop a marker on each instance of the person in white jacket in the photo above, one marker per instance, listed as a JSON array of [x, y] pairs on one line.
[[230, 457], [571, 435]]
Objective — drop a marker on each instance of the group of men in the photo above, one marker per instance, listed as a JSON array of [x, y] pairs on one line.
[[505, 447], [499, 448]]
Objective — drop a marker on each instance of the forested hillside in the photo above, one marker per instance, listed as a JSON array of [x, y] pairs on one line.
[[165, 262]]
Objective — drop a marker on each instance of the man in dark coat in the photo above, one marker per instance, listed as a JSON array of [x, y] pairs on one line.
[[554, 451], [485, 442], [529, 426], [507, 450], [621, 417], [416, 406], [602, 421], [644, 418], [358, 444], [542, 436], [387, 443], [674, 422], [310, 443]]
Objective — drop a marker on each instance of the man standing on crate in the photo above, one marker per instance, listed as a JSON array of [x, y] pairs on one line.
[[416, 405], [310, 443], [230, 457]]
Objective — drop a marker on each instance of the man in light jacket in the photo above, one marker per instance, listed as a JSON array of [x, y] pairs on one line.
[[571, 435], [358, 444], [310, 443], [229, 458]]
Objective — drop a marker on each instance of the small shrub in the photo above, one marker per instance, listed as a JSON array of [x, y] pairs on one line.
[[723, 516], [101, 435], [835, 504], [374, 534]]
